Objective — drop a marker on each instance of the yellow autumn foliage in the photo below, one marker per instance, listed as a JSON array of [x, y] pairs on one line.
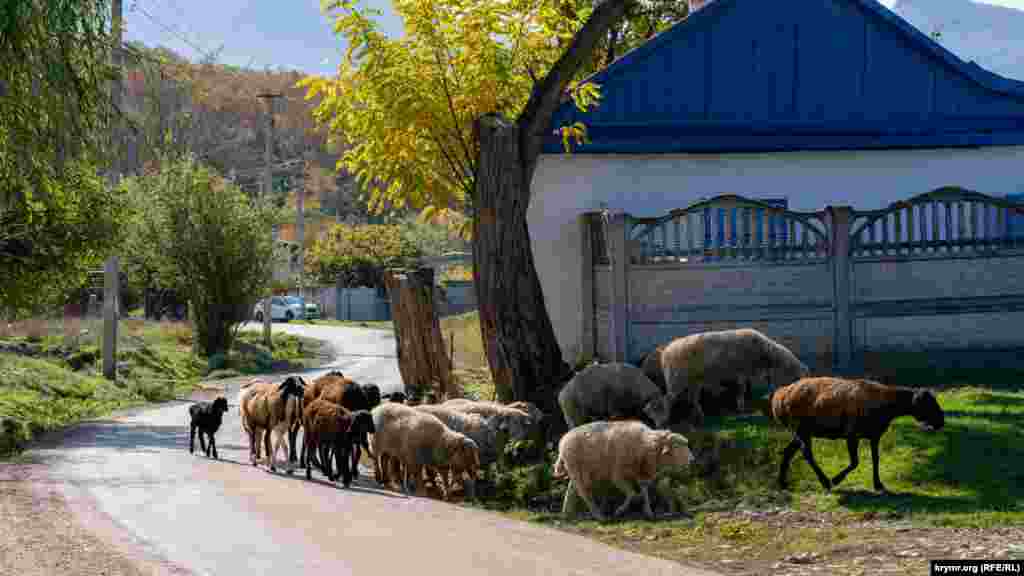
[[406, 106]]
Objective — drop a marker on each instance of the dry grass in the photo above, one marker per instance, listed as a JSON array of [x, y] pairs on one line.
[[469, 345]]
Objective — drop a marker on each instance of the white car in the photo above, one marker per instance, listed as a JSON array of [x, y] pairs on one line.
[[281, 308]]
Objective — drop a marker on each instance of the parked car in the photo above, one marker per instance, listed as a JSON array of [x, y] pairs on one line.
[[309, 309], [280, 309]]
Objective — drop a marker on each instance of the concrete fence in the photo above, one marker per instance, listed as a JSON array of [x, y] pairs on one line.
[[941, 270]]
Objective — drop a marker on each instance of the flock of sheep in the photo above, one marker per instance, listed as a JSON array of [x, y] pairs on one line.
[[617, 413]]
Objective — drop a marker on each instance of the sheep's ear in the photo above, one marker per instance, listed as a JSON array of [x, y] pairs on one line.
[[665, 450]]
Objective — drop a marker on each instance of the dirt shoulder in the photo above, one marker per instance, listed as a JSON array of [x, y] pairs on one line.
[[788, 542]]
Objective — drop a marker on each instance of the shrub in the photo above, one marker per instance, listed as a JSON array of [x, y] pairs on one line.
[[205, 239], [358, 255]]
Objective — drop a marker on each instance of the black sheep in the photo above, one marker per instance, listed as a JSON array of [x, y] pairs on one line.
[[835, 408], [398, 397], [358, 397], [359, 431], [206, 417]]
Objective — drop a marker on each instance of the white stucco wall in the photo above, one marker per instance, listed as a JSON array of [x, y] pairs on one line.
[[566, 186]]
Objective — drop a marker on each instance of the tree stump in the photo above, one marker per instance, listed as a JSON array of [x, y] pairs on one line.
[[422, 358]]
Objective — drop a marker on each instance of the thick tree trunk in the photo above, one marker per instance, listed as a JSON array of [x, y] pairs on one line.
[[423, 361], [525, 358]]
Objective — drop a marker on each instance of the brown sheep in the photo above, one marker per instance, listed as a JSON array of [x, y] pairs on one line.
[[270, 409], [627, 453], [324, 425], [417, 439], [834, 408], [709, 360]]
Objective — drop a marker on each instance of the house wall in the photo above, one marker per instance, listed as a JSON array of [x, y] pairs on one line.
[[565, 186]]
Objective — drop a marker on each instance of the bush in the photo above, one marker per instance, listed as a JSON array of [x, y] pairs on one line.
[[205, 239], [358, 255]]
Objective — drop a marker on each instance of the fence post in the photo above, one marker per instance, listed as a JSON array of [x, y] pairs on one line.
[[111, 288], [586, 342], [618, 254], [842, 345]]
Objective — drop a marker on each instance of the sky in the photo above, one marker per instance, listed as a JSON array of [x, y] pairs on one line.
[[292, 34]]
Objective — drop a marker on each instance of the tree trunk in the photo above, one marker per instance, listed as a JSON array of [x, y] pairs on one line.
[[422, 359], [524, 355]]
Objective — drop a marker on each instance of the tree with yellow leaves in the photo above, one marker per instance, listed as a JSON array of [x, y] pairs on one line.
[[426, 120]]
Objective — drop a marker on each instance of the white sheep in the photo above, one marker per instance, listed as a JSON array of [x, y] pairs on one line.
[[519, 422], [613, 391], [711, 360], [416, 439], [628, 454], [488, 433]]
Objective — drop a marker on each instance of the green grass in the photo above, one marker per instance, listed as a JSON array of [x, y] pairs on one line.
[[469, 345], [50, 391], [38, 395]]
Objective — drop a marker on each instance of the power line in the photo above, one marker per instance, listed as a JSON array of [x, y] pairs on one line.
[[172, 30]]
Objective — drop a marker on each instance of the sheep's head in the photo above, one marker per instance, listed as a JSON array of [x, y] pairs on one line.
[[673, 449], [516, 423], [397, 397], [927, 411], [220, 405], [372, 392], [659, 409], [464, 456], [293, 386]]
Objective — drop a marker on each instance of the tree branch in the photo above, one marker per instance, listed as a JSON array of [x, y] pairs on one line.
[[533, 120]]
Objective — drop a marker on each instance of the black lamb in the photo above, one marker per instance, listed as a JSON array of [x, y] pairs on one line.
[[206, 417]]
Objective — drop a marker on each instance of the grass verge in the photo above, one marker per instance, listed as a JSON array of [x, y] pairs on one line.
[[44, 386]]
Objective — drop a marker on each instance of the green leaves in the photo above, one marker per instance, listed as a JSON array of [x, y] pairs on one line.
[[49, 241], [192, 231], [358, 255]]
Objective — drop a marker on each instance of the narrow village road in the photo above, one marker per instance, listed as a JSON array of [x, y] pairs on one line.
[[131, 481]]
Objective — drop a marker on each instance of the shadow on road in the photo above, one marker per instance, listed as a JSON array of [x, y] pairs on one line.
[[121, 436]]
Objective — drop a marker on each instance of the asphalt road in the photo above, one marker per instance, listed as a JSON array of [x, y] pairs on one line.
[[132, 480]]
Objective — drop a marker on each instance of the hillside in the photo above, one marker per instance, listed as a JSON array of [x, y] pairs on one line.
[[213, 110]]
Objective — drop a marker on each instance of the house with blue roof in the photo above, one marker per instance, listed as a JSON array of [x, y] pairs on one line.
[[803, 104]]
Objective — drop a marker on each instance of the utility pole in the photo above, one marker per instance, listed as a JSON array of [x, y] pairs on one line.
[[111, 280], [300, 221], [268, 154]]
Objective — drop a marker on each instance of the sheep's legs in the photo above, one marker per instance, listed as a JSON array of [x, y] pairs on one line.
[[569, 502], [192, 439], [805, 447], [293, 436], [698, 412], [202, 444], [852, 444], [630, 494], [341, 457], [645, 491], [588, 497], [787, 457], [874, 465], [356, 454], [213, 447], [269, 449]]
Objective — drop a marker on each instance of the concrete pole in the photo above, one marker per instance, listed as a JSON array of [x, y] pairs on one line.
[[111, 285], [300, 223], [268, 153], [111, 280]]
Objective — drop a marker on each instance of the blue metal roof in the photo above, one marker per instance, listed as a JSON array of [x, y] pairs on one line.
[[756, 76]]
